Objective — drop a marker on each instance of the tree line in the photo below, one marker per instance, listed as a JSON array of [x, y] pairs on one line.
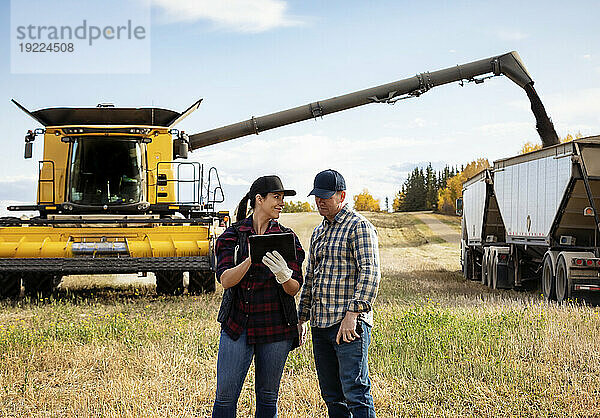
[[421, 189]]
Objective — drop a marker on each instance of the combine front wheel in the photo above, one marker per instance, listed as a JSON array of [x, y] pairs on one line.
[[201, 282], [10, 285], [40, 284], [169, 282]]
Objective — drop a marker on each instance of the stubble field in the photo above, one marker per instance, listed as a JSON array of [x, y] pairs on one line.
[[442, 346]]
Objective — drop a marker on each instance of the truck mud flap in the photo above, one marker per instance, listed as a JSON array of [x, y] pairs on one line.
[[104, 265]]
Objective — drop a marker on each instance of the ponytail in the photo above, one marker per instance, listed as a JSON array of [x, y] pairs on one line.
[[242, 208]]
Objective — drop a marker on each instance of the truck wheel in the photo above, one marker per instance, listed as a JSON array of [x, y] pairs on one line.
[[201, 282], [10, 285], [169, 282], [40, 285], [484, 267], [548, 280], [562, 280]]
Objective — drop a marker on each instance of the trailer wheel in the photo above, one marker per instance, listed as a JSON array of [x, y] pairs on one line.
[[169, 282], [562, 280], [40, 285], [548, 280], [484, 267], [10, 285], [468, 264], [201, 282], [493, 279]]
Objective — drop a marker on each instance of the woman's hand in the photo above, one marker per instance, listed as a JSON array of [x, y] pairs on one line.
[[278, 266], [283, 274]]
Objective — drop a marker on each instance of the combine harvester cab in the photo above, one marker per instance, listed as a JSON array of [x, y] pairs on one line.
[[543, 209], [111, 199]]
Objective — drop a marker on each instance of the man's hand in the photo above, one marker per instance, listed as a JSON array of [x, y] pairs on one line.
[[347, 331], [302, 332]]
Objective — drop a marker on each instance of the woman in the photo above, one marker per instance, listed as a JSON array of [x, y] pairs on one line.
[[258, 312]]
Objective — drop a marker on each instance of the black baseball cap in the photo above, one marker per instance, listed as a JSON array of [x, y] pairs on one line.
[[327, 183], [269, 184]]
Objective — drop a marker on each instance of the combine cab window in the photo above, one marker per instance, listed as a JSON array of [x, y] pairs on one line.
[[106, 171]]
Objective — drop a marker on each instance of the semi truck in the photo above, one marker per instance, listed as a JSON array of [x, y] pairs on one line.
[[110, 184], [532, 220]]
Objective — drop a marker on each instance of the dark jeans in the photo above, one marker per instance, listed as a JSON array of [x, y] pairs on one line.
[[232, 366], [343, 372]]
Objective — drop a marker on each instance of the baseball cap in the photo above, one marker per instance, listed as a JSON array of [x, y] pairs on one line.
[[327, 183], [269, 184]]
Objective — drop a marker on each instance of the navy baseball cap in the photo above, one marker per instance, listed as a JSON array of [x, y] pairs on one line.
[[327, 183]]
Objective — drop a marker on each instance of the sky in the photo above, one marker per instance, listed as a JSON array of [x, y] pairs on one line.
[[253, 57]]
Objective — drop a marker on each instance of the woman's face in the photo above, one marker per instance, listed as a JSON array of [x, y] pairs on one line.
[[271, 205]]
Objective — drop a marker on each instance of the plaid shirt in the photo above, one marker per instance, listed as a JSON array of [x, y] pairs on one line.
[[257, 306], [343, 270]]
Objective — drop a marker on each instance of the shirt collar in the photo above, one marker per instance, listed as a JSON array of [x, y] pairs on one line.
[[247, 226]]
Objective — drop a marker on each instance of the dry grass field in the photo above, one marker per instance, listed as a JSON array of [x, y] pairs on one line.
[[442, 346]]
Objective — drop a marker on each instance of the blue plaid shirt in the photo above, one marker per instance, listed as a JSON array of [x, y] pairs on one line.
[[342, 272]]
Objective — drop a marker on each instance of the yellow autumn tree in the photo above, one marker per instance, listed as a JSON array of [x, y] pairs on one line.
[[530, 146], [294, 207], [453, 190], [397, 203], [364, 201]]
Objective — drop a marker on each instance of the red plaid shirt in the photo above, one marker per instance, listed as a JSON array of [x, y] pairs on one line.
[[257, 306]]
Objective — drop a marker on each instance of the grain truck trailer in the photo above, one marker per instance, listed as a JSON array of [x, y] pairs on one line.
[[534, 217]]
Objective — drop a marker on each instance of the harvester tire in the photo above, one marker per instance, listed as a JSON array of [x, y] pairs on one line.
[[201, 282], [169, 282], [10, 285], [40, 285]]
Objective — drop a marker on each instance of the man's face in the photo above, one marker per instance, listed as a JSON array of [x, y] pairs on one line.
[[330, 207]]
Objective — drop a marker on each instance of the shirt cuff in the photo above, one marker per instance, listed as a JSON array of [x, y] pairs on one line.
[[359, 306]]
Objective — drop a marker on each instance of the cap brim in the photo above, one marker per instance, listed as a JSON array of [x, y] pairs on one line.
[[285, 192], [322, 193]]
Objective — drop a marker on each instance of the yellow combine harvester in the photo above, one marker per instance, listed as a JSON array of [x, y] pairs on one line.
[[112, 200]]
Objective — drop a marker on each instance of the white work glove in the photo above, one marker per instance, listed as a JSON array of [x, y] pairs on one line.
[[277, 264]]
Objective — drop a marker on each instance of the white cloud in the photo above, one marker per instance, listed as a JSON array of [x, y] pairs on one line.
[[502, 129], [237, 15], [512, 35]]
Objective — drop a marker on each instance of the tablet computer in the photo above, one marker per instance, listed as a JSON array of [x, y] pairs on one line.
[[283, 243]]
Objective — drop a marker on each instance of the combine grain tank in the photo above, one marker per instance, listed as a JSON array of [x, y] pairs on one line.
[[534, 217]]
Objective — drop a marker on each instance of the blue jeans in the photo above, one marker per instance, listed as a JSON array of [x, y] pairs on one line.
[[232, 366], [343, 372]]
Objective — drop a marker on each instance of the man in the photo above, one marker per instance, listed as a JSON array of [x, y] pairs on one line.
[[342, 278]]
